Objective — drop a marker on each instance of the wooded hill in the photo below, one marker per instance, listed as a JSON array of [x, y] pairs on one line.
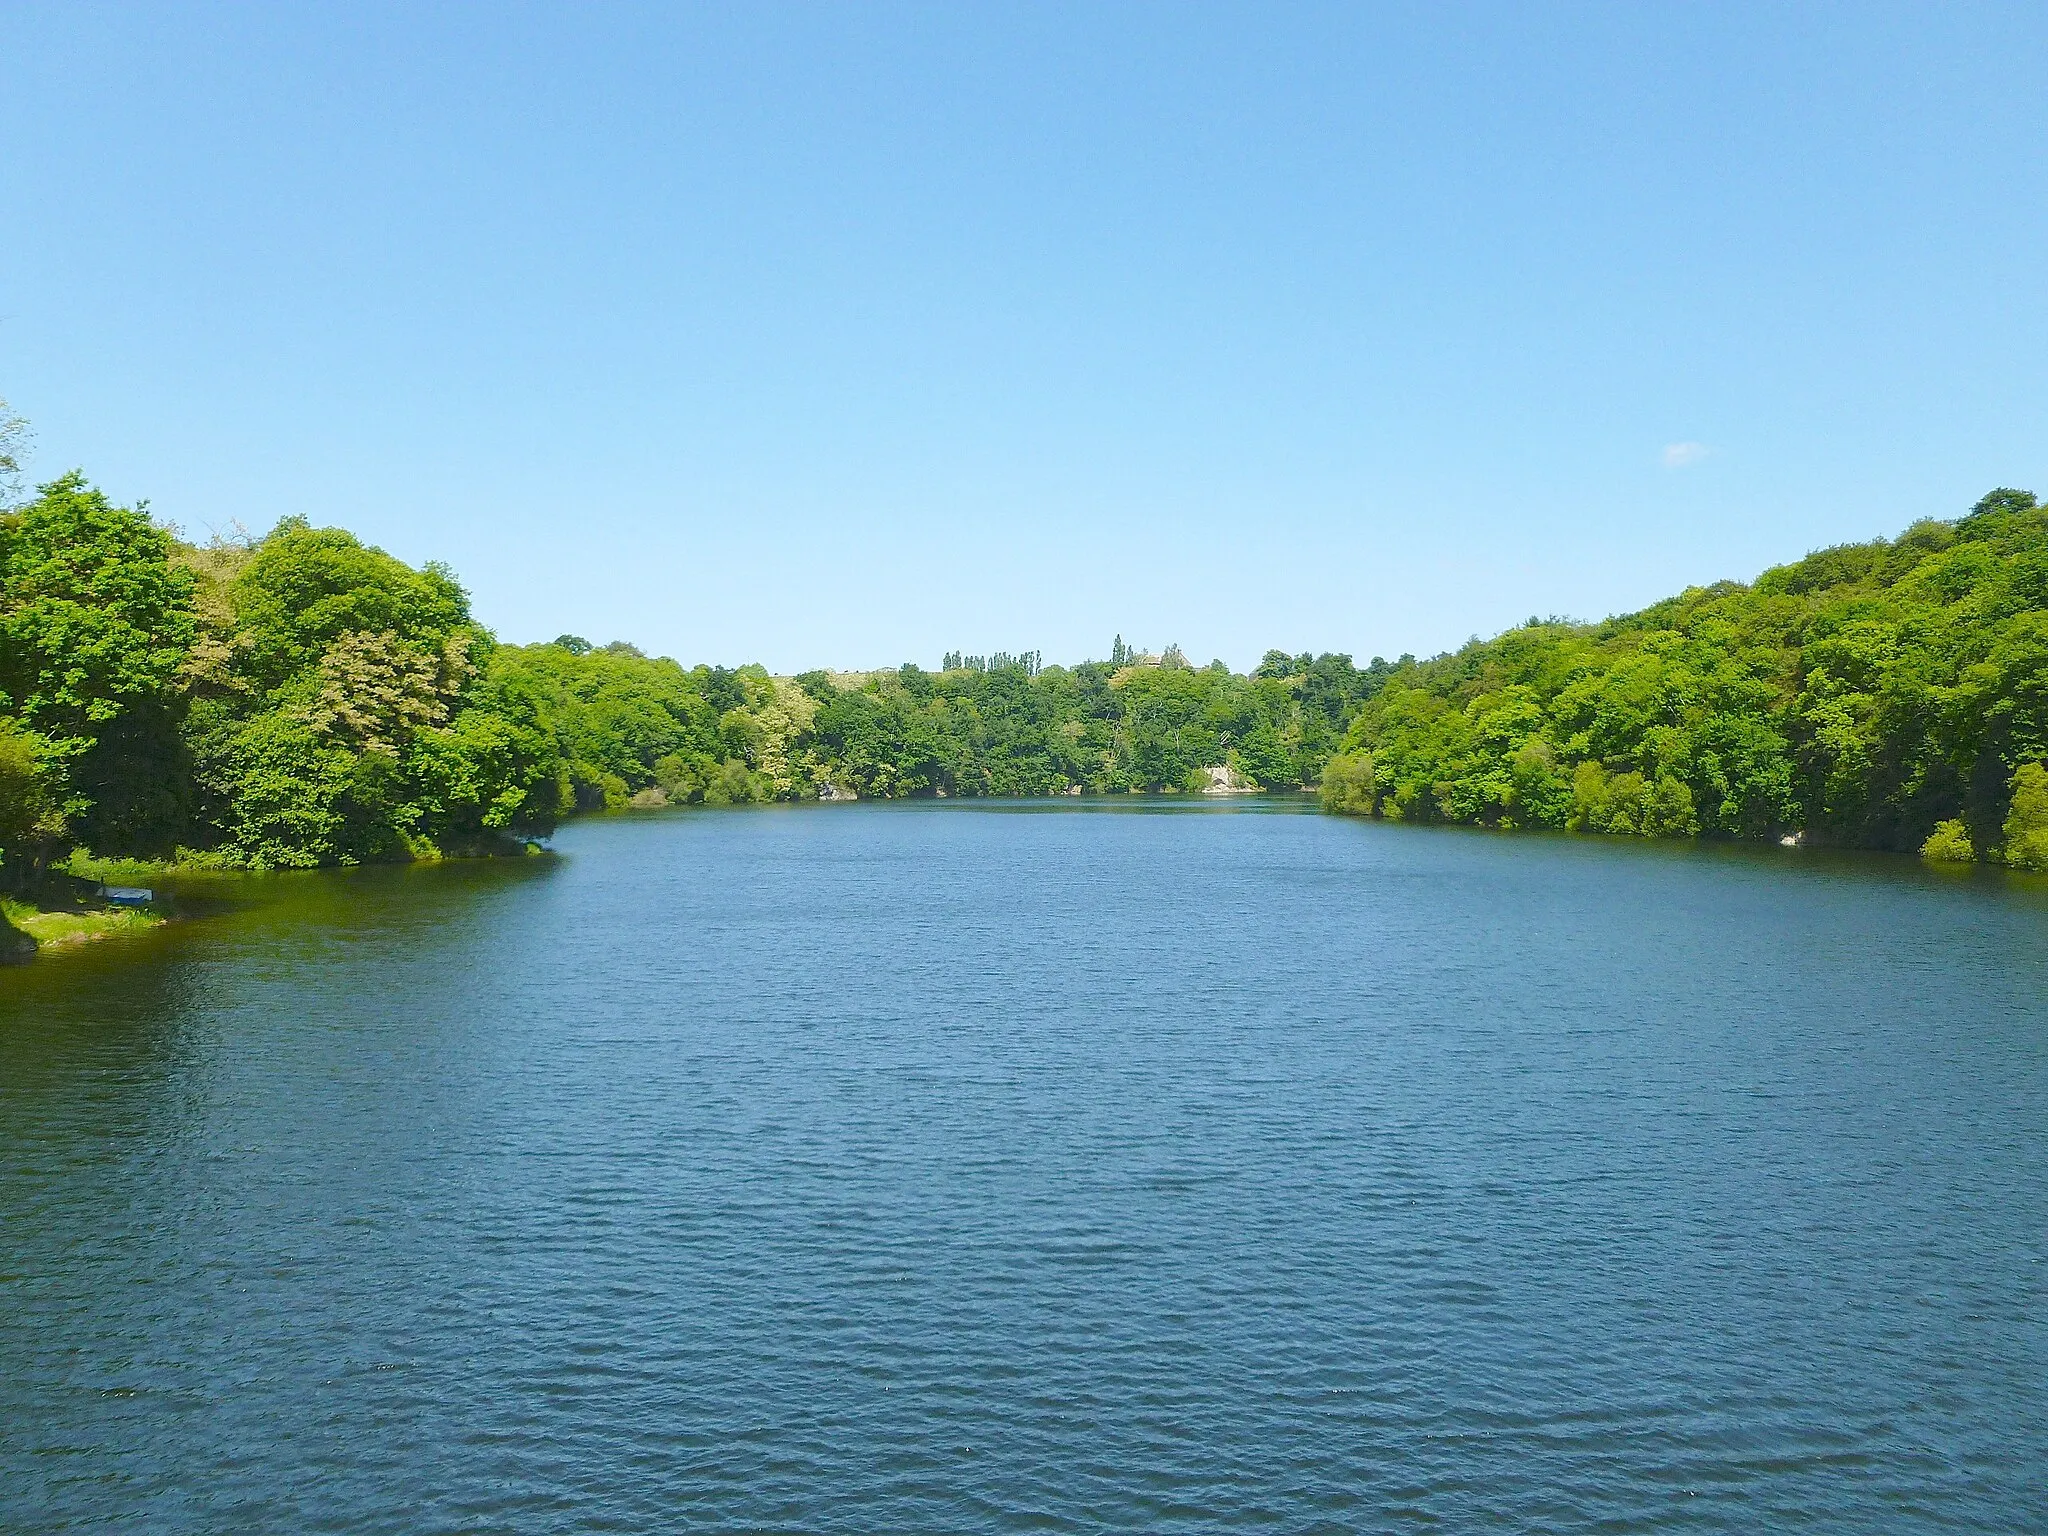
[[1884, 695], [303, 699]]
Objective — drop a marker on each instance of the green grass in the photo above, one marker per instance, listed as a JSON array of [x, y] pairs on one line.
[[86, 866], [55, 925]]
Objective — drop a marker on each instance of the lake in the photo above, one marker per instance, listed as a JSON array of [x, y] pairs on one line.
[[956, 1167]]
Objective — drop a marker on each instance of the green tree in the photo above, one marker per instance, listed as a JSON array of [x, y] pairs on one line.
[[1263, 758], [1865, 695], [96, 625], [31, 813], [1948, 843], [1348, 786], [305, 588], [94, 617], [347, 710], [2026, 824]]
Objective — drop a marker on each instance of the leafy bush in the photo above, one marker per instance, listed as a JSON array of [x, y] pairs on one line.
[[1948, 843], [2026, 824], [1348, 786]]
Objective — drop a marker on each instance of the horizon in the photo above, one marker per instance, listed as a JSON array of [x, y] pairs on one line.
[[1139, 652]]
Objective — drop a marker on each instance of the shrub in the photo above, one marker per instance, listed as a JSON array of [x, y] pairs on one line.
[[1948, 844], [2026, 824], [1348, 786]]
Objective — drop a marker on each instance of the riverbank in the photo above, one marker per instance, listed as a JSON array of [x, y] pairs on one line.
[[31, 931], [63, 911]]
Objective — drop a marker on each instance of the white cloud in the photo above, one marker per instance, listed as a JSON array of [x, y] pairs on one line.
[[1679, 455]]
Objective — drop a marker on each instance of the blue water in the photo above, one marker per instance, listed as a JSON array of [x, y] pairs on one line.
[[959, 1168]]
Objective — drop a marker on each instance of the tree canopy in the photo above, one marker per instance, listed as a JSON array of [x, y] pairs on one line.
[[1870, 695], [305, 699]]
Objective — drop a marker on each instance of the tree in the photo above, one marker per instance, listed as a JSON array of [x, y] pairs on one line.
[[1948, 843], [31, 816], [1868, 694], [1348, 786], [2026, 824], [94, 617], [96, 624], [304, 588], [1263, 759]]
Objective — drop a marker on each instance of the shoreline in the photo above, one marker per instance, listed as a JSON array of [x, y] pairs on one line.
[[29, 929]]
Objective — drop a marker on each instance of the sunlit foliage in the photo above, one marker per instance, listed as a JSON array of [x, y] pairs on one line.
[[305, 699], [1891, 695]]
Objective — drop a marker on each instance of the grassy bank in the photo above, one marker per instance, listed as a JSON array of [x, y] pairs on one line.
[[64, 910], [63, 925]]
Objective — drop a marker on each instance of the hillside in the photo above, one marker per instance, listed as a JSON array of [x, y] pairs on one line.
[[1875, 695], [304, 699]]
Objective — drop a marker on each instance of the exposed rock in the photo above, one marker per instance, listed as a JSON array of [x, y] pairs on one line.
[[1225, 780]]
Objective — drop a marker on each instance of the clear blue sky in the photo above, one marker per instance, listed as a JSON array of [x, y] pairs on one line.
[[854, 334]]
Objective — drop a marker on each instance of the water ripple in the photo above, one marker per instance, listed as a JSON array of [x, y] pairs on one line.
[[941, 1169]]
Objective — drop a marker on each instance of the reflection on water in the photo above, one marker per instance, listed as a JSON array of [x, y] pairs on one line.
[[989, 1168]]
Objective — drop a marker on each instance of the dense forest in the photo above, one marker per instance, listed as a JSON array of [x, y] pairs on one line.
[[1884, 695], [303, 699]]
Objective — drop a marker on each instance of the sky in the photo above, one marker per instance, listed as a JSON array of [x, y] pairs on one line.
[[854, 334]]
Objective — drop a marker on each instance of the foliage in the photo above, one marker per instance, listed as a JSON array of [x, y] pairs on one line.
[[337, 713], [2026, 824], [303, 699], [1020, 728], [31, 816], [94, 617], [306, 699], [1948, 843], [96, 623], [609, 716], [1865, 695], [304, 590], [1348, 786]]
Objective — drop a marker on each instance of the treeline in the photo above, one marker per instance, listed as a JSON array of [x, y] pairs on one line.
[[1100, 728], [1883, 695], [303, 699]]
